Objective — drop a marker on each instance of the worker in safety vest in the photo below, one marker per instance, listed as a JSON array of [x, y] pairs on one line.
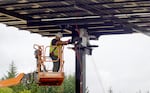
[[55, 46]]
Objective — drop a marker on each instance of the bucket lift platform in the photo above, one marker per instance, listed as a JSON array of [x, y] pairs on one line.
[[50, 78]]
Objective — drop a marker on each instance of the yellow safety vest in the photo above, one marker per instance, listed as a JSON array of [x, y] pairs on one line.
[[55, 51]]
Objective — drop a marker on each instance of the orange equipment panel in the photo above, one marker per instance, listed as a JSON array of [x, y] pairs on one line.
[[51, 78]]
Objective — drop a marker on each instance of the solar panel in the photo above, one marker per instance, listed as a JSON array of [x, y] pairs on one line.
[[100, 17]]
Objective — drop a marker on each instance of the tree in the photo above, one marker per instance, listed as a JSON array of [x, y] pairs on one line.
[[12, 71]]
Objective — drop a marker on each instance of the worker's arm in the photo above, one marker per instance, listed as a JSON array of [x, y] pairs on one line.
[[61, 42]]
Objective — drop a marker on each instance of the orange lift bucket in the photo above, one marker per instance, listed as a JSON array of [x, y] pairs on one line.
[[51, 78]]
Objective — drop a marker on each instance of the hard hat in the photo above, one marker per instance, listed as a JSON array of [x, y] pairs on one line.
[[59, 34]]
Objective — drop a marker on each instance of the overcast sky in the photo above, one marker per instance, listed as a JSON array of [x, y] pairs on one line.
[[121, 62]]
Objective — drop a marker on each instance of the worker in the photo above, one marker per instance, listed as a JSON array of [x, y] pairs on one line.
[[55, 45]]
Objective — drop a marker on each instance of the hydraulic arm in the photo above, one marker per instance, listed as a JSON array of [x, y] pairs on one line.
[[12, 81]]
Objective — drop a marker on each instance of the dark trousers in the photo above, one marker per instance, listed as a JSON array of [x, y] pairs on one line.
[[56, 65]]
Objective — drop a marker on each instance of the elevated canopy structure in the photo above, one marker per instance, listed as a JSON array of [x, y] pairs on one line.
[[91, 17], [101, 17]]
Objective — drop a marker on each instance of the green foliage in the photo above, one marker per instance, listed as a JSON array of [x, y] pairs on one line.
[[6, 90], [18, 88], [68, 85], [12, 71], [25, 91]]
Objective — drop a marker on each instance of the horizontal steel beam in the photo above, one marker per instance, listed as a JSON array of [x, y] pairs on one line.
[[118, 20]]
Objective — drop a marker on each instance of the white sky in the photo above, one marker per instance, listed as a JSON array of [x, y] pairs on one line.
[[121, 61]]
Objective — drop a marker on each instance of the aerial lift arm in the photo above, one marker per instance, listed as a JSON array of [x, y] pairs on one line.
[[12, 81]]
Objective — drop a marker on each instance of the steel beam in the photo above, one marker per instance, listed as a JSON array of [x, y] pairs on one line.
[[113, 18], [14, 15]]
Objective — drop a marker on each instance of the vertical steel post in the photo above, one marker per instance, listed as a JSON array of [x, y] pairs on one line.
[[80, 70], [81, 64]]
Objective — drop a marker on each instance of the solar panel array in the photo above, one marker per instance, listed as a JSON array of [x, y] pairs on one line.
[[99, 17]]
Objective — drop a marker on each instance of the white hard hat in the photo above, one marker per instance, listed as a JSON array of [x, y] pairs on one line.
[[59, 34]]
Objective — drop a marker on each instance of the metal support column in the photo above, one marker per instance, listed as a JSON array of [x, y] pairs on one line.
[[80, 48], [80, 70]]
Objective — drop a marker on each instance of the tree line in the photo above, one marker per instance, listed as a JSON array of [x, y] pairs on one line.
[[68, 85]]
